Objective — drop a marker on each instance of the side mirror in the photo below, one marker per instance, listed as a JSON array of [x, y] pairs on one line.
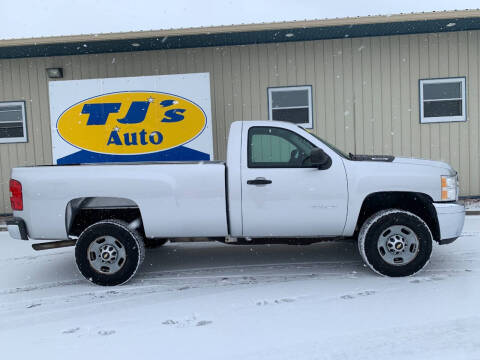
[[319, 159]]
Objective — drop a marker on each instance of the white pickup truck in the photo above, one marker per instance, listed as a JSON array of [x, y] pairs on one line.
[[280, 184]]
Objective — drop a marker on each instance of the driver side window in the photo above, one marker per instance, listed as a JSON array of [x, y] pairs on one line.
[[271, 147]]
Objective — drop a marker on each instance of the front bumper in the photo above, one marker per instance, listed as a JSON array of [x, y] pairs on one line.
[[451, 217], [17, 229]]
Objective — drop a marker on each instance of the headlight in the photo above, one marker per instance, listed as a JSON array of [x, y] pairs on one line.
[[449, 188]]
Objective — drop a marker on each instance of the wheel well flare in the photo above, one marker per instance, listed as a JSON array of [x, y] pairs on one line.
[[417, 203], [83, 212]]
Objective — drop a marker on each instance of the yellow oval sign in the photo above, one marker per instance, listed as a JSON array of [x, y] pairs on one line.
[[130, 123]]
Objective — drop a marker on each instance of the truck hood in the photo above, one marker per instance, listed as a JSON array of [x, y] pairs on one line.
[[401, 174], [422, 162], [402, 160]]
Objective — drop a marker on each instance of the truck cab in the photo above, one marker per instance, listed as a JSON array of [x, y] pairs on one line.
[[278, 182]]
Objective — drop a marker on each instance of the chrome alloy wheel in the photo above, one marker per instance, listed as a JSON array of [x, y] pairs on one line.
[[106, 255], [398, 245]]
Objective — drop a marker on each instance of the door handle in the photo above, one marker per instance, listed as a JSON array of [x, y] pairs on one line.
[[259, 181]]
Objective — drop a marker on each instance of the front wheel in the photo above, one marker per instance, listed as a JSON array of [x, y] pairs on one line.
[[109, 253], [395, 243]]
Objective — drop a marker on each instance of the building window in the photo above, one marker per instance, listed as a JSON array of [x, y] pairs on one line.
[[292, 104], [442, 100], [12, 122]]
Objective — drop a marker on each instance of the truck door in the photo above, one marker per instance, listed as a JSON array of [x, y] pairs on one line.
[[282, 194]]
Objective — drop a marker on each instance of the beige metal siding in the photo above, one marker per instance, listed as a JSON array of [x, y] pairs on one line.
[[365, 93]]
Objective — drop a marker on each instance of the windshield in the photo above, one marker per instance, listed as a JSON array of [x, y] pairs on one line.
[[338, 151]]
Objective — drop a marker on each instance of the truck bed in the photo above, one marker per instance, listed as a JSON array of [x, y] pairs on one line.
[[181, 193]]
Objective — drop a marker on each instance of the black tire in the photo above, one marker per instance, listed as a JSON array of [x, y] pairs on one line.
[[127, 240], [375, 227], [154, 243]]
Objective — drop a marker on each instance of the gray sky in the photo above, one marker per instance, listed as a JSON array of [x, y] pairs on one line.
[[36, 18]]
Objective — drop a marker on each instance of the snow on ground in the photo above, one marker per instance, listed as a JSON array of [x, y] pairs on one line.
[[215, 301], [472, 204]]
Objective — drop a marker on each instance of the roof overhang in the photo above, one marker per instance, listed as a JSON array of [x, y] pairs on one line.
[[434, 22]]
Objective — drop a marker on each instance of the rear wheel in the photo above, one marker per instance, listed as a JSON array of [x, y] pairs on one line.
[[395, 243], [109, 253]]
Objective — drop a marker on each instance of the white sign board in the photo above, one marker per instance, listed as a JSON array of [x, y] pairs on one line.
[[147, 118]]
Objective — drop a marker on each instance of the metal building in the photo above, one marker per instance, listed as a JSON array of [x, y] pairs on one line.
[[405, 85]]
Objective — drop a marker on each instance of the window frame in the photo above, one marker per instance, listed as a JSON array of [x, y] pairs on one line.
[[24, 138], [442, 119], [250, 165], [270, 91]]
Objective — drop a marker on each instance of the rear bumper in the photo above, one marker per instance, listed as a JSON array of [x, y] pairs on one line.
[[451, 217], [17, 229]]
